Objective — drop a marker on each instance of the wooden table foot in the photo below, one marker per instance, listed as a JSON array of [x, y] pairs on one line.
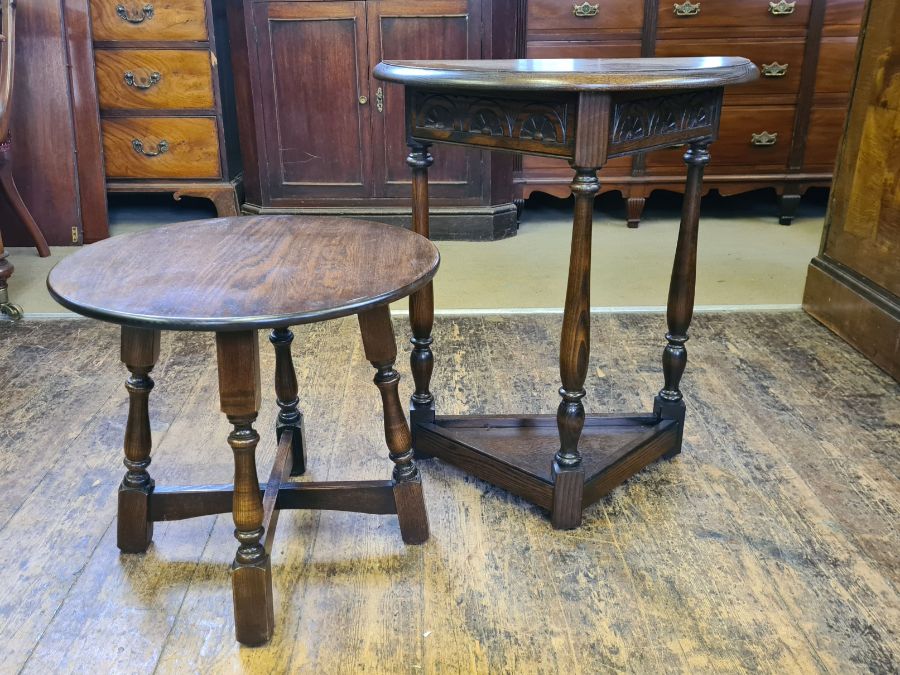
[[568, 494], [411, 513]]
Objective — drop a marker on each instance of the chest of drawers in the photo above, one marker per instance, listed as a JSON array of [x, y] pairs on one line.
[[164, 88], [781, 132]]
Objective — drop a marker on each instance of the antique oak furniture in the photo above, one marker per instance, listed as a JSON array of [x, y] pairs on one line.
[[853, 285], [165, 92], [332, 140], [780, 132], [234, 276], [584, 111], [7, 184]]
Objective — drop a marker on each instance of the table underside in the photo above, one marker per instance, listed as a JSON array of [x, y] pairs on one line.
[[516, 452]]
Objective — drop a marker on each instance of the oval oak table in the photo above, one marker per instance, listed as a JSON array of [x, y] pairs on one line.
[[233, 276], [586, 111]]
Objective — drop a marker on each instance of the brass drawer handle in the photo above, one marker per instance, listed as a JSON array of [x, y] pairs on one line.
[[782, 8], [774, 69], [687, 8], [161, 148], [145, 14], [585, 9], [379, 99], [147, 83], [764, 139]]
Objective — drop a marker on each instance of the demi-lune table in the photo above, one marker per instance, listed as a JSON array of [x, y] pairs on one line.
[[585, 111], [233, 276]]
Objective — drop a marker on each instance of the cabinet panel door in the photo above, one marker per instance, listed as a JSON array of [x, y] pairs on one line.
[[432, 29], [314, 69]]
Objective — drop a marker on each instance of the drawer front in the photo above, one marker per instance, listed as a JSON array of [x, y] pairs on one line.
[[149, 20], [779, 61], [826, 126], [161, 147], [742, 14], [591, 17], [142, 79], [617, 166], [736, 145], [837, 61], [558, 49]]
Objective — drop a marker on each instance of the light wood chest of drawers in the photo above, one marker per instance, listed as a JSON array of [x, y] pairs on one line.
[[164, 88], [780, 132]]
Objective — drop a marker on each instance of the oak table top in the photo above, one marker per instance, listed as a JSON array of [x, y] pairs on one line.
[[243, 273], [689, 73]]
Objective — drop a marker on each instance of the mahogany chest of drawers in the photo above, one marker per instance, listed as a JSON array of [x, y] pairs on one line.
[[164, 87], [781, 132]]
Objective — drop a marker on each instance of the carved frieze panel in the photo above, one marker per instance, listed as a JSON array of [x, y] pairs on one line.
[[663, 121], [527, 126]]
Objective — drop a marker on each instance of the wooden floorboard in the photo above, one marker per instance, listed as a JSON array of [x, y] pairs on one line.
[[771, 544]]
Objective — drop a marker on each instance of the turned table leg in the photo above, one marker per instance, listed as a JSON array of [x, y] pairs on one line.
[[140, 351], [381, 351], [574, 351], [669, 403], [240, 397], [289, 415], [421, 303]]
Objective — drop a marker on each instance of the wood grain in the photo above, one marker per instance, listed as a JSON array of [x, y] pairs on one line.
[[193, 147], [185, 79], [786, 507], [172, 20]]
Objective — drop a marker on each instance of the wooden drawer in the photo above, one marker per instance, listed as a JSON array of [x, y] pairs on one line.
[[843, 15], [834, 72], [784, 52], [149, 20], [752, 15], [601, 18], [826, 126], [191, 147], [558, 49], [141, 79], [734, 146]]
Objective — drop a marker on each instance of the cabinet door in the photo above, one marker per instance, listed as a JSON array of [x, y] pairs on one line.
[[430, 29], [314, 70]]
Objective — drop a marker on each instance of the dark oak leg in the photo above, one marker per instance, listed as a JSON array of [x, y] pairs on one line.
[[787, 208], [240, 396], [140, 351], [574, 352], [421, 303], [669, 402], [381, 351], [8, 185], [289, 416]]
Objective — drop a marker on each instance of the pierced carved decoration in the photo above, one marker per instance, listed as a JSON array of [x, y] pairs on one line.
[[652, 122], [501, 121]]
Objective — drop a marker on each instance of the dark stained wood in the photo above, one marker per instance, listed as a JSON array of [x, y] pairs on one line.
[[289, 416], [853, 284], [139, 352], [381, 351], [281, 469], [233, 274], [585, 110]]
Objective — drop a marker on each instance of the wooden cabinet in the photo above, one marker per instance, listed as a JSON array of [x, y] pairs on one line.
[[853, 285], [320, 135], [780, 132], [164, 86]]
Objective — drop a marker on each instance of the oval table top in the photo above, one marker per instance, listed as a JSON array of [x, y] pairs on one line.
[[572, 74], [241, 273]]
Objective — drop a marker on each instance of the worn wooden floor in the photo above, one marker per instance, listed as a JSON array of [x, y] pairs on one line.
[[771, 544]]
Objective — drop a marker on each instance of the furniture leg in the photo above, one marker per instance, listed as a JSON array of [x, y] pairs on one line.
[[8, 183], [381, 351], [139, 352], [289, 416], [421, 303], [240, 397], [574, 352], [787, 208], [225, 199], [634, 207], [669, 402]]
